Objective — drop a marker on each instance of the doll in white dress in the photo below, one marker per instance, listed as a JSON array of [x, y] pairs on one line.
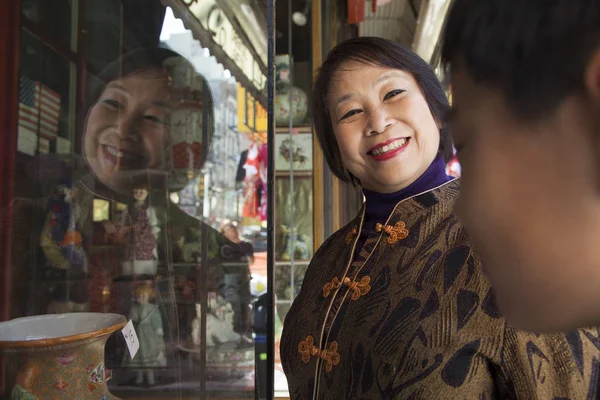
[[148, 325]]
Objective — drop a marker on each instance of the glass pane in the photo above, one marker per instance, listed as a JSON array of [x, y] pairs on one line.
[[103, 30], [57, 20], [53, 17], [30, 9], [138, 211], [55, 104], [31, 56]]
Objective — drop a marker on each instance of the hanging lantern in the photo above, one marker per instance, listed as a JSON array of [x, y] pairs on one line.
[[356, 11], [186, 124]]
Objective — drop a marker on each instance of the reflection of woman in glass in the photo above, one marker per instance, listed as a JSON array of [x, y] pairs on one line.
[[151, 116], [128, 128], [395, 305]]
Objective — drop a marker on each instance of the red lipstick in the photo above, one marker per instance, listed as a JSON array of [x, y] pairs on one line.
[[387, 150]]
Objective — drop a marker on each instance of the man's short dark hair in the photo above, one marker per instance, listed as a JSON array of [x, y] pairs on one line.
[[533, 52], [383, 53]]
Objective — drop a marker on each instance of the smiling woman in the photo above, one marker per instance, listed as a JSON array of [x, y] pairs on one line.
[[344, 97], [128, 126], [114, 140], [395, 304], [399, 137]]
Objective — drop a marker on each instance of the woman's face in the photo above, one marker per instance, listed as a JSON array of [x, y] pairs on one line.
[[128, 128], [383, 126]]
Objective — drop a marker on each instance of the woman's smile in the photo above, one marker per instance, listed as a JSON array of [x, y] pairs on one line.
[[122, 158], [388, 150]]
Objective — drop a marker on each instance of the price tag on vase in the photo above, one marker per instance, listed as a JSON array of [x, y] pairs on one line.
[[133, 344]]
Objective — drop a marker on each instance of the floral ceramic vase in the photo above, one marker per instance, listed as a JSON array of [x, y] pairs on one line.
[[58, 356], [289, 99]]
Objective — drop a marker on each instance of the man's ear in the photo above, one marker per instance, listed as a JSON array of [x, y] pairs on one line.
[[592, 77]]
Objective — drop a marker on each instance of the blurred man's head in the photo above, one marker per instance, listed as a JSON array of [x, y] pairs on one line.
[[526, 123]]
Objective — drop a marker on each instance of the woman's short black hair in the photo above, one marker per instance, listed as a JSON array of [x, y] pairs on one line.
[[383, 53], [136, 61]]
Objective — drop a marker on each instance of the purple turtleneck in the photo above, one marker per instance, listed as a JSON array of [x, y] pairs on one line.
[[378, 206]]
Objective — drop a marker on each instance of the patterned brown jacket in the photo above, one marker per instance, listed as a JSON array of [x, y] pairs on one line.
[[411, 317]]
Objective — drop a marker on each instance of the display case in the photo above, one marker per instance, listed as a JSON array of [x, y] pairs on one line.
[[133, 221]]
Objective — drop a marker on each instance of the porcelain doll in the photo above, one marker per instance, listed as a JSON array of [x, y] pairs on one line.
[[148, 325], [62, 243], [61, 239], [138, 232]]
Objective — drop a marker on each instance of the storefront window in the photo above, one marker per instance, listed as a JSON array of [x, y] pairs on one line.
[[133, 200]]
